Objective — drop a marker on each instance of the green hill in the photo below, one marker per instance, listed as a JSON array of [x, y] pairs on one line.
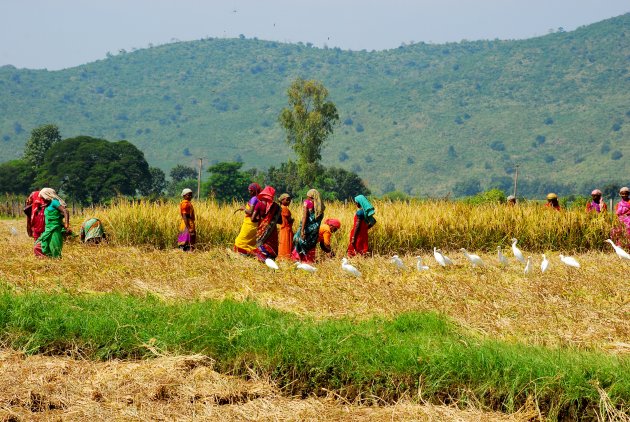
[[422, 118]]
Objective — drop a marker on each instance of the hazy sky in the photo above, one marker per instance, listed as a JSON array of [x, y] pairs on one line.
[[55, 34]]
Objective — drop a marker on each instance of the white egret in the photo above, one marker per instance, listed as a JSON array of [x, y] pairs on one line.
[[474, 259], [502, 259], [438, 257], [528, 266], [14, 231], [419, 265], [544, 265], [620, 252], [517, 252], [570, 261], [271, 264], [446, 258], [305, 267], [397, 262], [349, 268]]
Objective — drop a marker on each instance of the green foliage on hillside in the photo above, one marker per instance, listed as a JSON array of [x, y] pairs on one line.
[[421, 119]]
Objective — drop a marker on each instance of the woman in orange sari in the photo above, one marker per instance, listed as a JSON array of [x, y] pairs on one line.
[[285, 239]]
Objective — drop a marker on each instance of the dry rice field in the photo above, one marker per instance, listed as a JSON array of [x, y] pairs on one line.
[[586, 308]]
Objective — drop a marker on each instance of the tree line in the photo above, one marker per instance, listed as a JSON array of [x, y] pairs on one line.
[[92, 170]]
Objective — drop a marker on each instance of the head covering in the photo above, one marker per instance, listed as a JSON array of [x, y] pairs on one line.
[[254, 187], [365, 204], [267, 194], [511, 197], [186, 191], [624, 189], [333, 222], [317, 201], [49, 194], [552, 196], [596, 192], [284, 196]]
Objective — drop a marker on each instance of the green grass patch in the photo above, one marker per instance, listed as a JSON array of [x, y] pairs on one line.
[[414, 354]]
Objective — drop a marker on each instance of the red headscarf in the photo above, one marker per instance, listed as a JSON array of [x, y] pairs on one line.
[[333, 222], [267, 196]]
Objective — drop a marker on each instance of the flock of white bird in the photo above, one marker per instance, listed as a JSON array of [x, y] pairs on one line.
[[475, 260]]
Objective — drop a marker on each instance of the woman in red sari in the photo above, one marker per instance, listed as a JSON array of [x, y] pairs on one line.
[[267, 214], [363, 221]]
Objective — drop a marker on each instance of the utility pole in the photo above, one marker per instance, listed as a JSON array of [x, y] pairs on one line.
[[515, 179], [199, 178]]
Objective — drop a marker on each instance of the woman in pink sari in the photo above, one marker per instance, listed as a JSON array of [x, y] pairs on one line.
[[620, 236]]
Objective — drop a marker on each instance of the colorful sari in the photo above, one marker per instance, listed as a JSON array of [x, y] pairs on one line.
[[267, 233], [245, 242], [360, 246], [185, 239], [36, 222], [285, 241], [50, 242], [304, 249], [92, 231], [621, 235]]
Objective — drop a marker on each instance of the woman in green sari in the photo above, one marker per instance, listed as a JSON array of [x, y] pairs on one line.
[[50, 243]]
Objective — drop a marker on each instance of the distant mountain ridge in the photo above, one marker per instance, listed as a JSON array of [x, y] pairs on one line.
[[422, 118]]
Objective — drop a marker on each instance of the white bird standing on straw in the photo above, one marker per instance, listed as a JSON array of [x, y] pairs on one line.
[[570, 261], [441, 258], [419, 265], [517, 252], [544, 265], [349, 268], [397, 262], [502, 259], [528, 266], [305, 267], [271, 264], [474, 259], [620, 252], [14, 231]]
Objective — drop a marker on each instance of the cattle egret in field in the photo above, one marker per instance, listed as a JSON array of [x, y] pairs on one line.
[[528, 266], [517, 252], [271, 264], [446, 258], [397, 262], [349, 268], [305, 267], [620, 252], [14, 231], [502, 259], [441, 259], [570, 261], [474, 259], [419, 265], [544, 264]]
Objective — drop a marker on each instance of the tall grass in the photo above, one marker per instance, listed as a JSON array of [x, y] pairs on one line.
[[415, 354], [402, 227]]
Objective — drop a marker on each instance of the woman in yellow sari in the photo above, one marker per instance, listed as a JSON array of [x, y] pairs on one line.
[[245, 242]]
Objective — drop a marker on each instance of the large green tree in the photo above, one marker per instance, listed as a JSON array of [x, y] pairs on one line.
[[16, 177], [42, 138], [226, 182], [308, 122], [156, 185], [92, 170]]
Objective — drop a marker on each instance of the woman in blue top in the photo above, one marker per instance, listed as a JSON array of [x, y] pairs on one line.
[[50, 243]]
